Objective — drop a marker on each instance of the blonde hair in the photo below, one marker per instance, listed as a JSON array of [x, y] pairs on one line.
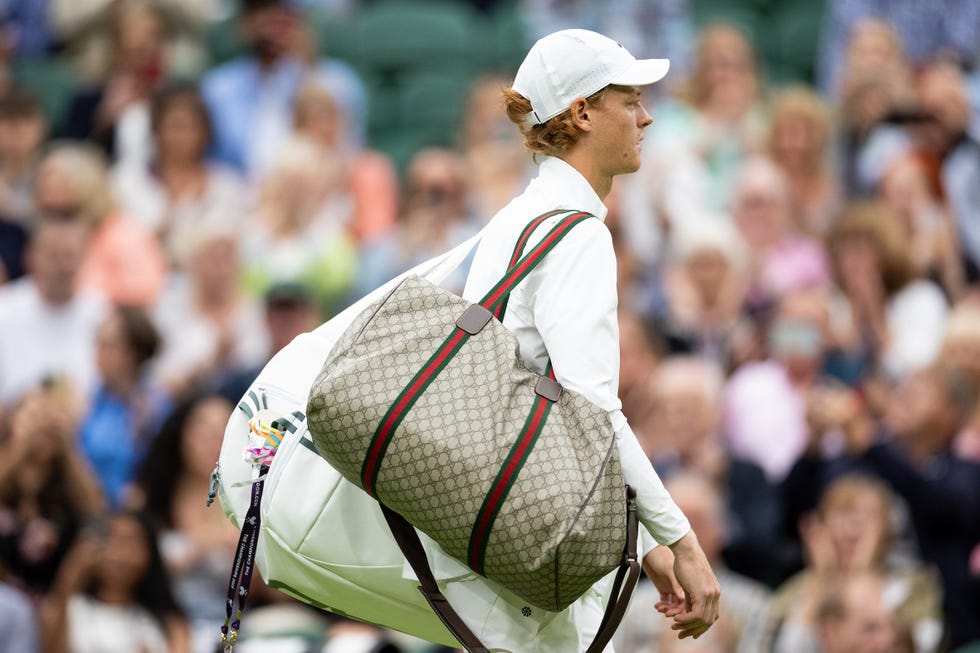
[[802, 103], [554, 137], [713, 38], [86, 170], [879, 225]]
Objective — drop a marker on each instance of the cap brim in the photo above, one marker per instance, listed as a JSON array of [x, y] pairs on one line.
[[642, 72]]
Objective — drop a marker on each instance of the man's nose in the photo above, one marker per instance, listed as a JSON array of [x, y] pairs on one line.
[[644, 118]]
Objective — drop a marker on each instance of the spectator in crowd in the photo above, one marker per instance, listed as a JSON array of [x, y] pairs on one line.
[[799, 143], [113, 593], [703, 140], [497, 163], [764, 418], [850, 533], [197, 543], [929, 228], [877, 87], [251, 97], [686, 401], [290, 310], [209, 324], [926, 31], [23, 128], [80, 26], [366, 176], [299, 231], [911, 449], [49, 326], [950, 133], [123, 261], [961, 352], [746, 602], [113, 111], [705, 287], [436, 216], [128, 406], [179, 190], [782, 259], [853, 616], [886, 315], [47, 490]]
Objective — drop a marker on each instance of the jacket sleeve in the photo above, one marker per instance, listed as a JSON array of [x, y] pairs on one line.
[[575, 311]]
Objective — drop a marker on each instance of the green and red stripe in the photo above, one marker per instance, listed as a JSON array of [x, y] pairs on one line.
[[519, 248], [501, 486], [444, 354]]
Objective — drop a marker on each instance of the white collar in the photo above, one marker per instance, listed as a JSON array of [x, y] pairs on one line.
[[562, 180]]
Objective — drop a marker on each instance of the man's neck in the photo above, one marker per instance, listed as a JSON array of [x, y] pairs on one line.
[[584, 163]]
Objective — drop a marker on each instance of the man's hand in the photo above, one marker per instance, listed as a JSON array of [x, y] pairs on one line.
[[699, 585], [659, 568]]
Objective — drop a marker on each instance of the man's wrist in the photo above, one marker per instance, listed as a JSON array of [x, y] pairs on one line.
[[686, 545]]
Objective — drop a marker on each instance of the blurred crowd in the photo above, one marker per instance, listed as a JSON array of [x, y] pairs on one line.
[[799, 272]]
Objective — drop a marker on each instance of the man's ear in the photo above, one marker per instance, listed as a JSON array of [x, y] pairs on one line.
[[579, 112]]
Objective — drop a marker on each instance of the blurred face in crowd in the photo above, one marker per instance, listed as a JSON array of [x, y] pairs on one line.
[[856, 257], [685, 402], [708, 270], [864, 625], [268, 28], [961, 344], [54, 192], [200, 442], [797, 335], [114, 357], [54, 257], [215, 266], [21, 136], [139, 42], [944, 101], [761, 207], [125, 555], [873, 45], [856, 518], [905, 189], [724, 73], [920, 414], [182, 131], [287, 319], [436, 182], [317, 115]]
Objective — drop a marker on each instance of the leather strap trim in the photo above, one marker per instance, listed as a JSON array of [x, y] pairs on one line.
[[626, 578], [410, 545]]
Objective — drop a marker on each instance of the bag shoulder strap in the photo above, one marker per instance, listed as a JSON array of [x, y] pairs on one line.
[[623, 586], [518, 270]]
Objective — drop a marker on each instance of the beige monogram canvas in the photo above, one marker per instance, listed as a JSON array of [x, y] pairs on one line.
[[563, 524]]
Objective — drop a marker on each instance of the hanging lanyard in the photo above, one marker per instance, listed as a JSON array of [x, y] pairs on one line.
[[241, 572]]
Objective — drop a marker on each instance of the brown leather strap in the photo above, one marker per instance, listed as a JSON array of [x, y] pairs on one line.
[[408, 541], [629, 572], [626, 578]]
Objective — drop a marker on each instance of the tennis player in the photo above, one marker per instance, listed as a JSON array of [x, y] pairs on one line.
[[577, 102]]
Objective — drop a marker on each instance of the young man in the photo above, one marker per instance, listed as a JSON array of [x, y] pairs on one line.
[[576, 100]]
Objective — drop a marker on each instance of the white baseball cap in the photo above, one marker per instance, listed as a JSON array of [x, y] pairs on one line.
[[576, 63]]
